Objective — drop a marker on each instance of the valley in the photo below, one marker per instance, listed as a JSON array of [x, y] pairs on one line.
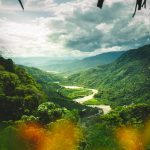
[[99, 102], [74, 75], [106, 108], [67, 66]]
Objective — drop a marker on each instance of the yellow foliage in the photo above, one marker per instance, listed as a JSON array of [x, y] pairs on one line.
[[63, 135], [133, 139], [130, 139]]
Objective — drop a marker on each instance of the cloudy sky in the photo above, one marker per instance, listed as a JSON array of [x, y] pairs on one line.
[[71, 28]]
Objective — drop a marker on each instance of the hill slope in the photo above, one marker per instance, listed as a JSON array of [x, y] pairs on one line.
[[100, 59], [19, 93], [42, 76], [49, 83], [123, 82]]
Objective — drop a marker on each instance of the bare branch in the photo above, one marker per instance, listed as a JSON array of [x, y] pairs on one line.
[[21, 4], [139, 4], [100, 3]]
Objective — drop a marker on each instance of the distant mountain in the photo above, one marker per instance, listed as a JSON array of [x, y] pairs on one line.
[[49, 64], [123, 82], [93, 61], [101, 59]]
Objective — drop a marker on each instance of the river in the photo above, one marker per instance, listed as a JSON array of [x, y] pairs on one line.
[[106, 108]]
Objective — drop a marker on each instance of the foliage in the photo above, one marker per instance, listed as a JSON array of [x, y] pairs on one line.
[[19, 93], [58, 95], [62, 134], [101, 133], [10, 140], [49, 112], [42, 76], [124, 83]]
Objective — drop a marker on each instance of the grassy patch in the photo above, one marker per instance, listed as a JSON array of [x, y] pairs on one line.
[[95, 101], [75, 93]]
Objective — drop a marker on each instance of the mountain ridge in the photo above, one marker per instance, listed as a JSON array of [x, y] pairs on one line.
[[126, 78], [48, 64]]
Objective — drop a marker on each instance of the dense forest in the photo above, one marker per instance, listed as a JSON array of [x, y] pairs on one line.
[[38, 113]]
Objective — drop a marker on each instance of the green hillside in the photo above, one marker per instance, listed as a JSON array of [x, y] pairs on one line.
[[25, 97], [19, 93], [123, 82], [49, 83], [42, 76], [101, 59]]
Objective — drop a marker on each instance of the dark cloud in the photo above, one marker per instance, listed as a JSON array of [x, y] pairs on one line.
[[87, 21], [125, 31], [86, 43]]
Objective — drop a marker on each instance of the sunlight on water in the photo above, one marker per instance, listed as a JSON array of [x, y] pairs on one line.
[[61, 135]]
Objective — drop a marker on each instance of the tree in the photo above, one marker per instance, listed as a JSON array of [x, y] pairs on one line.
[[48, 112]]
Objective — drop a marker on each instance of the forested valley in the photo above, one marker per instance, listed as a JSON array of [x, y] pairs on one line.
[[40, 110]]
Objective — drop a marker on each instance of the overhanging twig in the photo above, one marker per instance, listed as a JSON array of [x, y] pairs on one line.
[[21, 4]]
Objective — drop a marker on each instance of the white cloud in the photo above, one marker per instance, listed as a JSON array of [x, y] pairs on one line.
[[104, 27], [75, 28], [27, 39]]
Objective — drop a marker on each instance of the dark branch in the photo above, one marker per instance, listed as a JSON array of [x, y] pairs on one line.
[[21, 4], [144, 4], [139, 4], [100, 3]]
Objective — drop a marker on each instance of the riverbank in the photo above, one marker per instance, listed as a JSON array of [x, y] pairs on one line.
[[106, 108]]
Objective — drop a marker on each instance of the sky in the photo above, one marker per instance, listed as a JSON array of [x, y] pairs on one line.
[[71, 28]]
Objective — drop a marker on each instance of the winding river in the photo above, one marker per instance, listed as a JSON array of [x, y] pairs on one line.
[[106, 108]]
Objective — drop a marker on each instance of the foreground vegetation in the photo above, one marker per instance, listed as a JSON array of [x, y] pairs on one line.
[[121, 129]]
